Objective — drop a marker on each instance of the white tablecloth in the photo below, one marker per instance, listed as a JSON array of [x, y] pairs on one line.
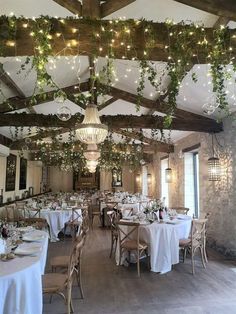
[[56, 220], [163, 242], [21, 283]]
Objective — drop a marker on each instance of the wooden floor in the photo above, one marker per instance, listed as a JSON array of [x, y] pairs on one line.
[[110, 289]]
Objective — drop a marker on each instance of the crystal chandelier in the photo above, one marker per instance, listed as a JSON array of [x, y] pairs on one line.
[[92, 152], [91, 165], [91, 130]]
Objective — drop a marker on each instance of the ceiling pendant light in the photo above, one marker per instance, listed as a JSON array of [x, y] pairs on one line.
[[168, 172], [91, 165], [91, 130], [64, 113], [92, 152], [214, 170]]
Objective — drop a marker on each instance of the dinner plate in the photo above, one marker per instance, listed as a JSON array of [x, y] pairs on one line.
[[28, 251], [128, 218], [171, 222], [33, 237]]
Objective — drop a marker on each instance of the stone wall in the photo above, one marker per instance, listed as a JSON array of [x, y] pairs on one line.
[[218, 198]]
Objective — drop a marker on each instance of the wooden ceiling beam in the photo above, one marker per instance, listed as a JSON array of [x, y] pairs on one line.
[[111, 6], [106, 103], [21, 103], [113, 122], [74, 6], [91, 8], [24, 43], [8, 81], [225, 8], [5, 141], [157, 145], [221, 21], [154, 105], [6, 78]]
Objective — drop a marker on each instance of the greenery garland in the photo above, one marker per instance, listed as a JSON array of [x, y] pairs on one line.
[[185, 45]]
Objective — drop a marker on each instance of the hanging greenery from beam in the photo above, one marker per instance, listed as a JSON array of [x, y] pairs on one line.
[[181, 46]]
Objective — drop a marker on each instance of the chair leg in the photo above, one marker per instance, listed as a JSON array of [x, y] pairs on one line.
[[184, 254], [116, 240], [202, 256], [148, 258], [192, 262], [79, 281], [112, 243], [205, 253], [64, 231], [120, 256], [138, 265], [71, 306]]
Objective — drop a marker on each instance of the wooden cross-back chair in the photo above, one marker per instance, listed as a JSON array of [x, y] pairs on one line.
[[206, 216], [181, 210], [57, 283], [94, 211], [196, 241], [113, 218], [11, 213], [75, 221], [128, 211], [128, 235]]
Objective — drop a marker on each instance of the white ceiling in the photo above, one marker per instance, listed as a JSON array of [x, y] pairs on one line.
[[68, 71]]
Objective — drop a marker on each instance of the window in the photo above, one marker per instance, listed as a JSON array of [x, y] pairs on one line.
[[164, 185], [144, 181], [191, 183]]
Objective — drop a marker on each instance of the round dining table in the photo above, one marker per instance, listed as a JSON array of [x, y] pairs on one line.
[[56, 219], [163, 241], [21, 277]]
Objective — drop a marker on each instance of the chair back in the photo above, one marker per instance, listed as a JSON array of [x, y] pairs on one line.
[[11, 214], [76, 215], [198, 233], [181, 210], [75, 258], [113, 218], [86, 221], [128, 231]]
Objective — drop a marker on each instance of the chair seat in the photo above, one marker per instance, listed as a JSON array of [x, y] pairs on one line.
[[53, 282], [184, 242], [73, 223], [132, 245], [96, 213], [60, 261], [187, 242]]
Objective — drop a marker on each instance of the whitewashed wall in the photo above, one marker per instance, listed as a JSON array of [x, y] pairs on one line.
[[60, 180], [34, 176], [128, 180]]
